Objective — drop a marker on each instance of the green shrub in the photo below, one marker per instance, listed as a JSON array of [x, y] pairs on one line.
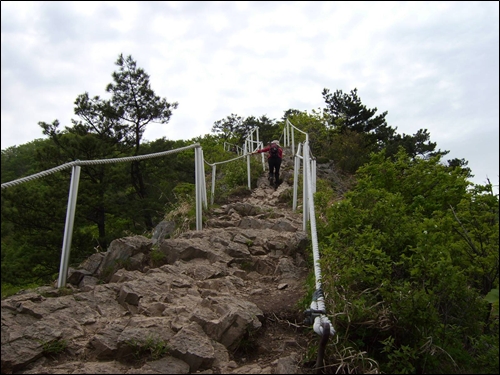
[[157, 257], [152, 347], [407, 257], [53, 347]]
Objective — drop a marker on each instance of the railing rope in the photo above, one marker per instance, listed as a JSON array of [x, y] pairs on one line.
[[39, 175], [200, 191], [316, 315], [214, 171], [233, 148], [318, 303]]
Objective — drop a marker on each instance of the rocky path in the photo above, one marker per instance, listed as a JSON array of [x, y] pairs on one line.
[[281, 346], [221, 300]]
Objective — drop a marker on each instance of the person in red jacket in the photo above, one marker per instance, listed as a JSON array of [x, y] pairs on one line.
[[274, 157]]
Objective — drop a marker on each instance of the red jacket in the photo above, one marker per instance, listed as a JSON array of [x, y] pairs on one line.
[[266, 149]]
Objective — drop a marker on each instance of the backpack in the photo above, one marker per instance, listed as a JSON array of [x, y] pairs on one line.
[[274, 150]]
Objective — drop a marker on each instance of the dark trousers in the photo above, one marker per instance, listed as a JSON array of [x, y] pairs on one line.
[[274, 168]]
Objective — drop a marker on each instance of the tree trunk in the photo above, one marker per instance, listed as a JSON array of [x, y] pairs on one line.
[[140, 188]]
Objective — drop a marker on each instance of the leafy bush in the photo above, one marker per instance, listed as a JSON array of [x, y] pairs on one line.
[[152, 347], [157, 257], [54, 347], [409, 255]]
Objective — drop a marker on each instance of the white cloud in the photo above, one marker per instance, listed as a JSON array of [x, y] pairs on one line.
[[432, 65]]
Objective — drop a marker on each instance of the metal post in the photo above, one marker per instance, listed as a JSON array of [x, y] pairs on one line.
[[258, 141], [313, 175], [288, 134], [262, 157], [197, 168], [214, 170], [203, 180], [305, 199], [248, 172], [285, 127], [68, 228], [296, 166]]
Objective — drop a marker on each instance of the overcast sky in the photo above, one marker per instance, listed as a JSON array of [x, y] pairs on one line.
[[430, 65]]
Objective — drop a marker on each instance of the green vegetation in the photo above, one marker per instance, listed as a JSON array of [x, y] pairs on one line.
[[408, 256], [492, 298], [152, 347], [409, 247], [9, 289], [53, 347], [157, 257]]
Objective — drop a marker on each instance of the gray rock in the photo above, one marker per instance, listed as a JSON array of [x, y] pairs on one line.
[[195, 301], [163, 230]]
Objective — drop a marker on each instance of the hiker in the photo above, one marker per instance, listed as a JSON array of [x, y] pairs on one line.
[[275, 155]]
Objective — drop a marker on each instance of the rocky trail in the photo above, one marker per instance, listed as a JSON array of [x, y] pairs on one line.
[[221, 300]]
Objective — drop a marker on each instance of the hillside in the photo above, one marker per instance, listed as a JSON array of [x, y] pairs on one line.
[[221, 300]]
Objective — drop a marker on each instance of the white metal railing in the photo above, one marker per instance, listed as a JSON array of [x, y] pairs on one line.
[[321, 322], [289, 136], [233, 148], [250, 144], [214, 172], [317, 312], [309, 164], [201, 196]]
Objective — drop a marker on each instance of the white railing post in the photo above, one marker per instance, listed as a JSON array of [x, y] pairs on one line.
[[248, 172], [262, 157], [214, 170], [313, 175], [200, 190], [305, 200], [285, 134], [68, 228], [258, 140], [203, 180], [197, 153], [296, 168]]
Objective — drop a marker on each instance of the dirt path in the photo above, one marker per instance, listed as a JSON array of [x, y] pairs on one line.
[[284, 344]]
